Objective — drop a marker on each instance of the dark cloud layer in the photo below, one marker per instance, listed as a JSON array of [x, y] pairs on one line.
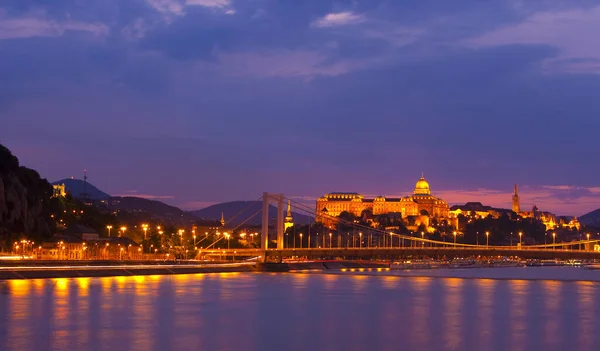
[[199, 101]]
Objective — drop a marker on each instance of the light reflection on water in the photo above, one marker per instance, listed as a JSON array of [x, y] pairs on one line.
[[297, 311]]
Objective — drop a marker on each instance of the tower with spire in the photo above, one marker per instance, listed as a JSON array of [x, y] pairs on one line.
[[516, 201], [289, 220], [222, 219]]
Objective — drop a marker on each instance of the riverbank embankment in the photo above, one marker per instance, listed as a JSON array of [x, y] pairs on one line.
[[73, 269]]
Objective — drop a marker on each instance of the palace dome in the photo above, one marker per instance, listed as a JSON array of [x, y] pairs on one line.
[[422, 187]]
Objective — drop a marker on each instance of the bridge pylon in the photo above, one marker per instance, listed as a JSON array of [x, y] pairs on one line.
[[267, 199]]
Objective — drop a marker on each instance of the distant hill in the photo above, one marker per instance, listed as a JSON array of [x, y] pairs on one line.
[[149, 210], [230, 209], [75, 188], [592, 218]]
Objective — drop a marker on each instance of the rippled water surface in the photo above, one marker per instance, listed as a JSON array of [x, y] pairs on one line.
[[297, 311]]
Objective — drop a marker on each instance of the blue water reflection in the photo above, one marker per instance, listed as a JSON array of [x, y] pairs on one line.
[[233, 311]]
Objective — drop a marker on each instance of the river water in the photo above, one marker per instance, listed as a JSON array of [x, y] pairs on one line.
[[306, 311]]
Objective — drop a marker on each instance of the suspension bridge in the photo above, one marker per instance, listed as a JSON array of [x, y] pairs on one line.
[[372, 243]]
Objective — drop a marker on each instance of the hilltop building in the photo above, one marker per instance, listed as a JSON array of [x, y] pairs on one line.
[[421, 204], [59, 190], [476, 209]]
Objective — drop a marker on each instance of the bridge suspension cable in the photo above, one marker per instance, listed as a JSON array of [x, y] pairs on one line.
[[310, 211]]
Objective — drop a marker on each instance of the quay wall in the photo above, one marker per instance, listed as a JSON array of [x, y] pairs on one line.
[[75, 269]]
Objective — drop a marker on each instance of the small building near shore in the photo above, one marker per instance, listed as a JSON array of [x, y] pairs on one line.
[[79, 242]]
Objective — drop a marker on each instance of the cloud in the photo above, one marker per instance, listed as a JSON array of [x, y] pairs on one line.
[[572, 32], [169, 8], [134, 193], [174, 8], [220, 4], [338, 19], [284, 63], [558, 187], [396, 36], [27, 27]]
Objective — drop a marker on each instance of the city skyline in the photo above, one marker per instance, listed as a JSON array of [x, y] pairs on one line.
[[541, 197], [194, 102]]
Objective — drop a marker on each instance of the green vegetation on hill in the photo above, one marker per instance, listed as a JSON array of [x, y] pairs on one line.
[[25, 201]]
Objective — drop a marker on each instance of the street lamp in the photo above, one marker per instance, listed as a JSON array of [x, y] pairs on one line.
[[391, 240], [227, 236], [330, 240], [360, 240], [553, 241], [423, 238], [109, 227], [454, 237], [520, 238], [181, 236], [145, 228], [123, 229], [300, 240], [487, 239], [588, 237], [194, 240]]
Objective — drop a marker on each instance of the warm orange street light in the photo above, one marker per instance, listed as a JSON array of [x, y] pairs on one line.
[[360, 240], [553, 241], [123, 229], [145, 228], [330, 240], [487, 239], [109, 227], [227, 236], [454, 238], [520, 238]]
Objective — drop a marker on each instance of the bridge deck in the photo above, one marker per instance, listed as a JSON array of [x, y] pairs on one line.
[[399, 252]]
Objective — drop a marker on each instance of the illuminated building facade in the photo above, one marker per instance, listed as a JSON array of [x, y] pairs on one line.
[[550, 221], [420, 204], [59, 190]]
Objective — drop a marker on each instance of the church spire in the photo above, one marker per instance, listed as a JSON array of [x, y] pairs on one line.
[[289, 220], [516, 200], [222, 219]]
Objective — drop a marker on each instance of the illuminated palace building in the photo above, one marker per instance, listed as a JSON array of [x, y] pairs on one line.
[[421, 205]]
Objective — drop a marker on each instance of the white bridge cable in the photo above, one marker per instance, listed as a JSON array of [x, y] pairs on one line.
[[235, 228], [309, 210], [243, 210]]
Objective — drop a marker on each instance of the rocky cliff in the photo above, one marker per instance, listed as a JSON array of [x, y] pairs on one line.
[[25, 199]]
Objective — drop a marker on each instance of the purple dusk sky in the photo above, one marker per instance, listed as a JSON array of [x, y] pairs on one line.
[[201, 101]]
